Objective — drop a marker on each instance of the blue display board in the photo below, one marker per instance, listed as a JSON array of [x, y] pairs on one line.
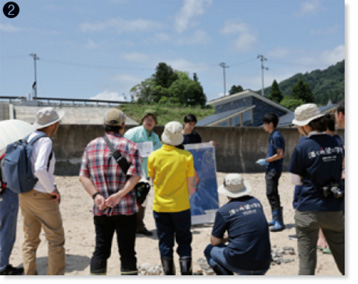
[[205, 200]]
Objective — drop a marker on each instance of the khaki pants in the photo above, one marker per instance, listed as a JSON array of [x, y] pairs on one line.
[[307, 227], [39, 211]]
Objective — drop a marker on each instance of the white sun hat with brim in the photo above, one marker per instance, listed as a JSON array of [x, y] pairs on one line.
[[172, 134], [234, 186], [47, 116], [304, 114]]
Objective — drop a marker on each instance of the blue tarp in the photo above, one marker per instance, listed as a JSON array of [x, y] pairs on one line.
[[205, 201]]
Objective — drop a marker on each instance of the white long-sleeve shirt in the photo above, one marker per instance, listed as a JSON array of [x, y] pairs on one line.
[[39, 159]]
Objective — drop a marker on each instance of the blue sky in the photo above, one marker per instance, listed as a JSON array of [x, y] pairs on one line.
[[102, 48]]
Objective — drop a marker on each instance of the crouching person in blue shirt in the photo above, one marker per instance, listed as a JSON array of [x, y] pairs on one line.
[[248, 251]]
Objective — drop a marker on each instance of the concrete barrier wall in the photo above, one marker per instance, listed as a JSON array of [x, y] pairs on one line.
[[236, 149]]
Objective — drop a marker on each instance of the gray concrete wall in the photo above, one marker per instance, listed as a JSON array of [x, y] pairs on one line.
[[4, 111], [236, 149]]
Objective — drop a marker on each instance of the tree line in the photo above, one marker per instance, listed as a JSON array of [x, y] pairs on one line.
[[169, 86], [172, 87]]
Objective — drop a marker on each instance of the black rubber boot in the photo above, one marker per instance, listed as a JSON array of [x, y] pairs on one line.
[[186, 265], [219, 270], [168, 266], [274, 217], [279, 225], [141, 229]]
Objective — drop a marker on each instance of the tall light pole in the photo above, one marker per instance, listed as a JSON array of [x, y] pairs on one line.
[[224, 66], [262, 58], [34, 85]]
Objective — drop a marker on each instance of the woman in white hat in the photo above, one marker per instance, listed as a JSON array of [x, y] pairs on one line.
[[316, 165], [40, 206], [248, 251]]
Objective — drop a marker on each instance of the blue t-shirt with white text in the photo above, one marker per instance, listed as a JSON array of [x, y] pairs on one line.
[[318, 160], [249, 245]]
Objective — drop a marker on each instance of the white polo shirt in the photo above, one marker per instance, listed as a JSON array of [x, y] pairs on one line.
[[39, 159]]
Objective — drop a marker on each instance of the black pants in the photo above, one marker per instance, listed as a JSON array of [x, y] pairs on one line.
[[174, 226], [272, 189], [125, 228]]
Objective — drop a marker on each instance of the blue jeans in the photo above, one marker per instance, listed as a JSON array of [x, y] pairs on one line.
[[215, 256], [9, 207], [174, 225]]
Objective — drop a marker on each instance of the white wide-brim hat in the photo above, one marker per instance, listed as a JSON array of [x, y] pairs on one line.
[[47, 116], [304, 114], [172, 134], [234, 186]]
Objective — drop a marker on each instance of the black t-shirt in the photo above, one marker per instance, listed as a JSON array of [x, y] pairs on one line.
[[192, 138], [318, 160], [249, 245]]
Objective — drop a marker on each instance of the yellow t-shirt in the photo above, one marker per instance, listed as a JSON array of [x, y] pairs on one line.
[[170, 167]]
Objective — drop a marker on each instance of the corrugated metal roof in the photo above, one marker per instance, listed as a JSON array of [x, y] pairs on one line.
[[217, 117], [286, 120], [244, 94]]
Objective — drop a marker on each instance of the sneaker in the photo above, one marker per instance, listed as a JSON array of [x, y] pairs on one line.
[[10, 270]]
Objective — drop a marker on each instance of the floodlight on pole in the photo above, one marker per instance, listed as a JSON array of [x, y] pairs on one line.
[[262, 58], [34, 85], [224, 66]]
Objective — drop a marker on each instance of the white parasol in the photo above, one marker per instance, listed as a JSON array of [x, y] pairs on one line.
[[13, 130]]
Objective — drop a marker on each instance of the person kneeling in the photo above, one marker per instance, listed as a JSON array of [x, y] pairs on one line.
[[248, 251]]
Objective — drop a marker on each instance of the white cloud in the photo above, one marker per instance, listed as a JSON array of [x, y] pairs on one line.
[[8, 28], [309, 7], [189, 10], [110, 96], [246, 35], [121, 26], [330, 57], [245, 42]]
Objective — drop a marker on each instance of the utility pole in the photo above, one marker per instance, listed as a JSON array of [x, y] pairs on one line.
[[34, 85], [224, 66], [262, 58]]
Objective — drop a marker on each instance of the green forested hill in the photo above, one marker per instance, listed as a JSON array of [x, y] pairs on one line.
[[325, 84]]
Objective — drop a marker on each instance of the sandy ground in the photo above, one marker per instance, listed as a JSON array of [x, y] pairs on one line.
[[80, 238]]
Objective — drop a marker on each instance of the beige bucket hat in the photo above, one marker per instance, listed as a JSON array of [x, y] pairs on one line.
[[304, 114], [234, 186], [47, 116]]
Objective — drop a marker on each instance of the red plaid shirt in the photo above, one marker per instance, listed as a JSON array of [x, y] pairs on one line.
[[99, 165]]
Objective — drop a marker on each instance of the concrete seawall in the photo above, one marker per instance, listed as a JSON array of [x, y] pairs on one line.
[[236, 149]]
